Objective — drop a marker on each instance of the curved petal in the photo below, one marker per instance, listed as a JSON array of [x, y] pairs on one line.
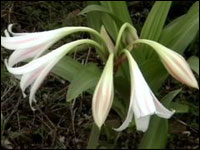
[[24, 54], [6, 33], [14, 34], [27, 41], [28, 78], [49, 61], [40, 78], [31, 65], [161, 111], [48, 57], [141, 101], [128, 119]]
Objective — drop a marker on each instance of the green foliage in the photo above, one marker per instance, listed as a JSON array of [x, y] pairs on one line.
[[85, 79], [94, 137], [153, 27], [181, 31], [173, 36], [194, 63], [179, 108], [67, 68]]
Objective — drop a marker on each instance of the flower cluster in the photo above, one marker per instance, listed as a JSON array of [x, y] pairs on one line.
[[143, 103]]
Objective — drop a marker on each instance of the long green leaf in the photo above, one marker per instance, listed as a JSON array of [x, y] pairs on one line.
[[179, 108], [180, 27], [119, 8], [92, 22], [109, 23], [101, 9], [154, 73], [182, 31], [67, 68], [86, 78], [155, 21], [153, 27], [93, 8], [156, 135], [194, 63]]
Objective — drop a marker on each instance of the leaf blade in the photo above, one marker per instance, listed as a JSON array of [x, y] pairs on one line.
[[86, 78], [194, 63]]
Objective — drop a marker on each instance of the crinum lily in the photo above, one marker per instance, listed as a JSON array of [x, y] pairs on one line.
[[33, 45], [175, 64], [143, 102], [35, 71]]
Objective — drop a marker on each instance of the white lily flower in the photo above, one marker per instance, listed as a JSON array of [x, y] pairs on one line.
[[35, 71], [33, 45], [103, 94], [143, 102], [176, 65]]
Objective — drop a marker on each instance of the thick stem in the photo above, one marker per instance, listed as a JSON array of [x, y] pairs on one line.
[[119, 62], [122, 59]]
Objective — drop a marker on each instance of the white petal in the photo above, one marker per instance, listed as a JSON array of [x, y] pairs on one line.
[[141, 101], [48, 57], [28, 78], [140, 92], [128, 119], [40, 79], [27, 41], [23, 54], [142, 123], [6, 33], [50, 60], [161, 111], [33, 64], [32, 39]]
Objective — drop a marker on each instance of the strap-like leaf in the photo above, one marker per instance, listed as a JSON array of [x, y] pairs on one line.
[[153, 27], [179, 108], [67, 68], [179, 34], [119, 8], [85, 79]]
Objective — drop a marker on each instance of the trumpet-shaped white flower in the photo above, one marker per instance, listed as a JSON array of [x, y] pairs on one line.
[[176, 65], [33, 45], [143, 103], [103, 95], [35, 71]]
